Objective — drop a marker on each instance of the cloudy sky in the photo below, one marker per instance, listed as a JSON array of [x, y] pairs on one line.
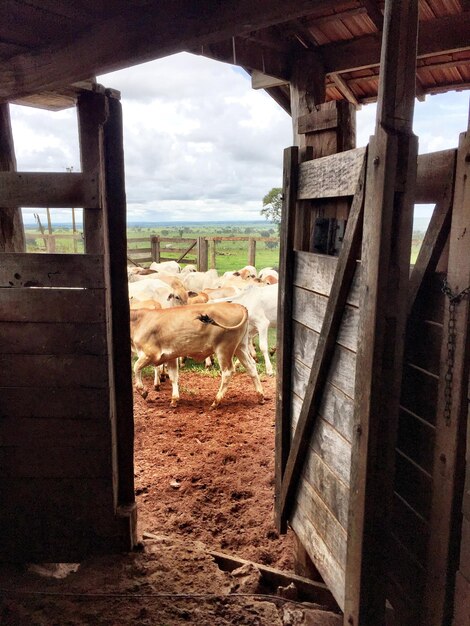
[[199, 143]]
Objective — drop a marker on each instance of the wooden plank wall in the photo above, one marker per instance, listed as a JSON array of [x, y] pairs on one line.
[[415, 452], [56, 479], [320, 513]]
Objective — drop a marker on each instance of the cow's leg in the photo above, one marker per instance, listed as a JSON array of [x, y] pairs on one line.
[[243, 353], [156, 378], [173, 373], [263, 346], [141, 362], [227, 369]]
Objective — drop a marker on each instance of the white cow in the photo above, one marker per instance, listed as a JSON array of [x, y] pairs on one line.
[[261, 303]]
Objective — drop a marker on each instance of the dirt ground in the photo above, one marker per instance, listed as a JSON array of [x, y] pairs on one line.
[[209, 474], [204, 481]]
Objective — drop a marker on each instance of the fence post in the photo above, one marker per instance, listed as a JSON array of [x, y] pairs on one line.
[[202, 254], [213, 254], [251, 251], [155, 244]]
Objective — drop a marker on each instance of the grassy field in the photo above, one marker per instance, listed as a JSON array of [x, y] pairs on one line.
[[230, 254]]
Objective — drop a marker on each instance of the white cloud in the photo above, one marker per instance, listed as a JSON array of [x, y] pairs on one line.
[[199, 142]]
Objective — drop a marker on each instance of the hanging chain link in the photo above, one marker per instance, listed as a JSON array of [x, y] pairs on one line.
[[454, 300]]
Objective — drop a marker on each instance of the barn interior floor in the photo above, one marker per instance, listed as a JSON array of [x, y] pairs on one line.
[[167, 581]]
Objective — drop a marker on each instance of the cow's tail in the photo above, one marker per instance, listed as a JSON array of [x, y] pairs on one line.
[[206, 319]]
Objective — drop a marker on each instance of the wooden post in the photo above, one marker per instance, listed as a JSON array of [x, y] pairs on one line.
[[452, 409], [12, 237], [155, 245], [51, 238], [92, 112], [116, 257], [284, 325], [388, 212], [202, 254], [251, 251], [213, 254]]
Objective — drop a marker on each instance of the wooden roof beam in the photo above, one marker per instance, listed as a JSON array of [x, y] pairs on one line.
[[374, 13], [439, 36], [140, 35]]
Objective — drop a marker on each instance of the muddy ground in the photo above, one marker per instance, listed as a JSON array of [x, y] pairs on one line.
[[204, 481]]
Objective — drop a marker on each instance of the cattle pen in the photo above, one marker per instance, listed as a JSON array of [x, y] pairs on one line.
[[371, 463]]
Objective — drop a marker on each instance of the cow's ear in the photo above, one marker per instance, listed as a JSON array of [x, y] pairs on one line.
[[170, 296], [236, 273]]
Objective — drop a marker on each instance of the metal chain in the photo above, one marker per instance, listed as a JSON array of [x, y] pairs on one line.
[[454, 299]]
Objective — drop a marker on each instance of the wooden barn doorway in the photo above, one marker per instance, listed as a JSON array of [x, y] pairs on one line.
[[371, 449], [66, 424]]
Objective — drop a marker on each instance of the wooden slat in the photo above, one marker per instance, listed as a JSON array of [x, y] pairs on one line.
[[419, 392], [51, 270], [423, 346], [411, 528], [448, 475], [315, 272], [47, 189], [416, 440], [318, 120], [52, 305], [285, 331], [313, 542], [310, 504], [40, 432], [336, 407], [432, 175], [19, 370], [434, 240], [333, 492], [52, 338], [331, 176], [310, 308], [324, 352], [343, 365], [413, 484], [53, 402], [32, 461]]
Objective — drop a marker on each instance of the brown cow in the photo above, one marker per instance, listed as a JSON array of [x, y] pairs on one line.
[[197, 331]]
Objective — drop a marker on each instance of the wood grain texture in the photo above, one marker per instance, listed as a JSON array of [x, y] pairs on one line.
[[47, 189], [52, 270], [52, 402], [52, 305], [432, 175], [331, 176]]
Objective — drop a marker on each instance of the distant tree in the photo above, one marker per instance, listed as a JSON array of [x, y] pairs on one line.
[[272, 245], [165, 233], [265, 233], [272, 205], [248, 230]]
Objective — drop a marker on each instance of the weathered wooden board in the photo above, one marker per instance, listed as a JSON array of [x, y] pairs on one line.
[[423, 346], [410, 528], [53, 402], [31, 461], [52, 270], [332, 573], [70, 434], [309, 309], [343, 366], [53, 190], [331, 176], [336, 409], [20, 370], [52, 305], [413, 484], [327, 526], [416, 439], [419, 392], [315, 272], [52, 338], [433, 174], [332, 490]]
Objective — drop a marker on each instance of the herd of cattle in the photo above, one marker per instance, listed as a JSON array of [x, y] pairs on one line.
[[177, 313]]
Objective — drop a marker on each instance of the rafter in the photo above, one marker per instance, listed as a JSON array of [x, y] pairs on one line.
[[374, 13], [140, 35]]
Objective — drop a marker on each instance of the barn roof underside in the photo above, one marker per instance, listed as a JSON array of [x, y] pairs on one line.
[[49, 49]]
